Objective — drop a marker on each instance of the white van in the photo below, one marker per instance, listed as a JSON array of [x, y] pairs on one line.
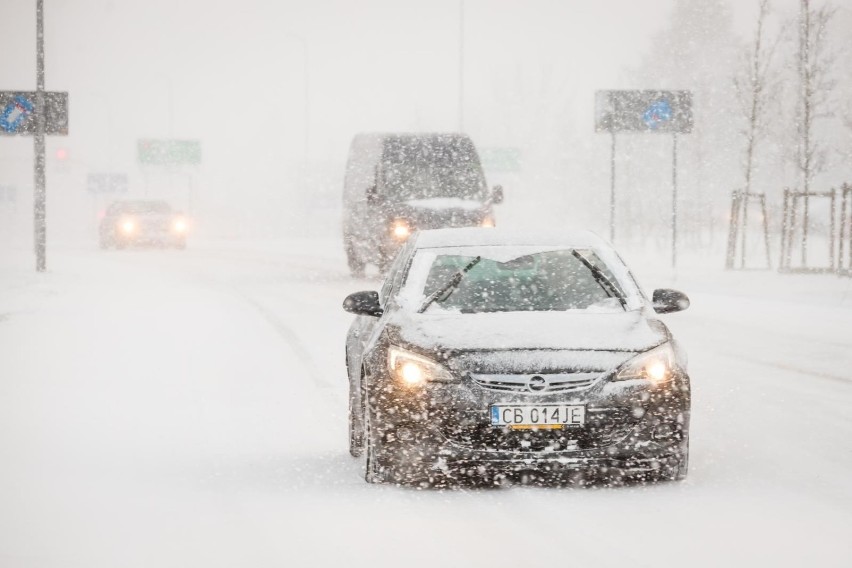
[[398, 183]]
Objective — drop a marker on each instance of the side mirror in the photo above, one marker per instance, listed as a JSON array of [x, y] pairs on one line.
[[363, 304], [667, 301], [497, 195]]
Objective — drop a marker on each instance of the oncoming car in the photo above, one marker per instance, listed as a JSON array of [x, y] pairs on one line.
[[398, 183], [127, 223], [491, 356]]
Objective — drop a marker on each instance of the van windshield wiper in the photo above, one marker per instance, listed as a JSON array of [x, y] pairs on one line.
[[444, 291], [603, 281]]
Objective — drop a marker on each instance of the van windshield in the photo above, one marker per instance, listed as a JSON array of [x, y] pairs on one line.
[[432, 167]]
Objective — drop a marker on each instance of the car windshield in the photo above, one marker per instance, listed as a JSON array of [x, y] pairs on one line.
[[552, 280], [427, 168], [139, 207]]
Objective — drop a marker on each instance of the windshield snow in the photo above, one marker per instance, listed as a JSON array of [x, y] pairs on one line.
[[511, 280]]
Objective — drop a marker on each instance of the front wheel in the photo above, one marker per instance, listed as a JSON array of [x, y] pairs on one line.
[[356, 427], [373, 470], [682, 467]]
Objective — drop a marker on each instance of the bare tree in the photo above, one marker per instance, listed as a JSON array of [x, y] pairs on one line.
[[814, 64], [755, 86]]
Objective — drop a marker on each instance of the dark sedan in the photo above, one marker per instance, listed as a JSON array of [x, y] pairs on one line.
[[492, 356]]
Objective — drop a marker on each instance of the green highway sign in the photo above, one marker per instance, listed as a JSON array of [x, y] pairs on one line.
[[500, 159], [152, 152]]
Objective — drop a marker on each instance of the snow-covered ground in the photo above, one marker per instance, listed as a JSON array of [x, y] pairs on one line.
[[164, 408]]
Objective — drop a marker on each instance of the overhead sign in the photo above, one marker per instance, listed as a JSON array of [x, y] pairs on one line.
[[18, 113], [107, 183], [667, 112], [151, 152], [505, 159]]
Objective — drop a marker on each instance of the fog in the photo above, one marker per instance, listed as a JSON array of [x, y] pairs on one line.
[[275, 91], [187, 400]]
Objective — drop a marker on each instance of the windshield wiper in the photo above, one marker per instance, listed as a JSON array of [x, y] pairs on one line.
[[603, 281], [444, 291]]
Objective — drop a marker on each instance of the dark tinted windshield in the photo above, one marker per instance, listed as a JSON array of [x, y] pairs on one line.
[[139, 207], [546, 281], [430, 167]]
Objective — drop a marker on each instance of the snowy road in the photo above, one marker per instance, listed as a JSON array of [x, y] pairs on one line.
[[160, 408]]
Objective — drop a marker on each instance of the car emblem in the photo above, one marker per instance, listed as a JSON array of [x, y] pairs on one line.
[[537, 383]]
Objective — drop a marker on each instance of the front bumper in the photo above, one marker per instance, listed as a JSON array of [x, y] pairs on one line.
[[640, 430]]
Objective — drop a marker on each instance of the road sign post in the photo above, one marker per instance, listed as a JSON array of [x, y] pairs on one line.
[[667, 112], [19, 113], [38, 114]]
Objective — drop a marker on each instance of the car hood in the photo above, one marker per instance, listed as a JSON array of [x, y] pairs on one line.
[[440, 213], [590, 331]]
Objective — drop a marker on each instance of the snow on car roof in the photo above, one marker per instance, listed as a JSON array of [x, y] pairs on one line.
[[475, 236]]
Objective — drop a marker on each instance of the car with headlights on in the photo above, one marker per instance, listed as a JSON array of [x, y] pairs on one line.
[[493, 356], [398, 183], [142, 222]]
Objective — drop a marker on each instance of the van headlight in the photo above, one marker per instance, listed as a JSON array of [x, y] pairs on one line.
[[401, 229], [412, 369], [656, 366]]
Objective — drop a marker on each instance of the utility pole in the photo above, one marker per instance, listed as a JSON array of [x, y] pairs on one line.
[[40, 192]]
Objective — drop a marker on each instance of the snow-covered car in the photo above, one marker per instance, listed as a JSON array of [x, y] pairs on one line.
[[142, 222], [491, 355]]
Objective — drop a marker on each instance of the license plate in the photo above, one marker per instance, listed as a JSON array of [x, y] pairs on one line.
[[537, 416]]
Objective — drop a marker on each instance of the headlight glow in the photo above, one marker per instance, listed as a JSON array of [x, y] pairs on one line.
[[128, 226], [401, 229], [487, 222], [180, 225], [655, 365], [412, 369]]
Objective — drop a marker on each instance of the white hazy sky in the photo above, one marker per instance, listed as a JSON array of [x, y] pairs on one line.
[[232, 74]]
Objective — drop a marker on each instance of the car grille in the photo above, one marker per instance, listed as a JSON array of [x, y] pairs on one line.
[[604, 427], [537, 384]]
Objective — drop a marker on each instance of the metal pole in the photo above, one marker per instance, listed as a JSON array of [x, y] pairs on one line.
[[40, 197], [674, 200], [733, 229], [612, 191], [461, 66]]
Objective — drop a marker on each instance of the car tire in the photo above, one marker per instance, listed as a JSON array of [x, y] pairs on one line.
[[356, 413], [682, 468], [374, 471]]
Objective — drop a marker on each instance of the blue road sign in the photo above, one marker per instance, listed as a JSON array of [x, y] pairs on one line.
[[658, 113], [15, 113]]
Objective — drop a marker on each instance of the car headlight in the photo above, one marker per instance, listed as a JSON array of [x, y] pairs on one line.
[[127, 226], [180, 225], [401, 229], [487, 222], [412, 369], [655, 366]]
